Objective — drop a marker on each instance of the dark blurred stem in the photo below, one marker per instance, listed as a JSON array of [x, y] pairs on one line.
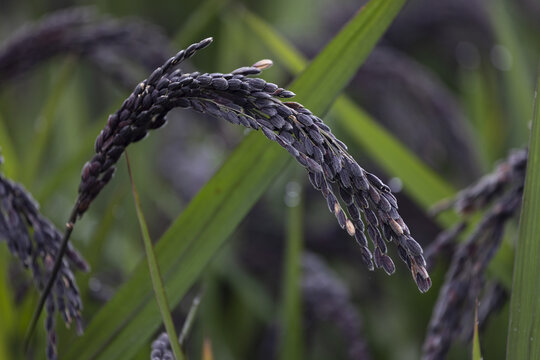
[[291, 346], [52, 278]]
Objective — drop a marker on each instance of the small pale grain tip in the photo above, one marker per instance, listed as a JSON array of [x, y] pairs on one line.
[[396, 227], [206, 41], [263, 64], [350, 227], [337, 208]]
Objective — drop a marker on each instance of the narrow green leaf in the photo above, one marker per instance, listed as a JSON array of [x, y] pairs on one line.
[[356, 40], [248, 289], [524, 326], [476, 353], [189, 244], [57, 177], [198, 20], [45, 123], [7, 308], [510, 52], [7, 150], [287, 54], [479, 96], [291, 322], [155, 274]]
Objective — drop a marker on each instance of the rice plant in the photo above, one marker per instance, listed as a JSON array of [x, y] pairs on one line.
[[239, 258]]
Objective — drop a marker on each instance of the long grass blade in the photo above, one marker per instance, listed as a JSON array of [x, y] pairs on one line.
[[356, 41], [476, 352], [509, 56], [45, 122], [7, 151], [155, 275], [197, 20], [249, 290], [524, 326], [7, 307]]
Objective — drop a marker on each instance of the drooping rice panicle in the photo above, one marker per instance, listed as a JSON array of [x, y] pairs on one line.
[[256, 104], [500, 192], [35, 241]]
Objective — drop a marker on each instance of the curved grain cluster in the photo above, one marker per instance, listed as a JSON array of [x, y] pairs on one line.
[[35, 241], [500, 193], [256, 104]]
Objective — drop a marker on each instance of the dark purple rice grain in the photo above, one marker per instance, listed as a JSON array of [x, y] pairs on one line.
[[161, 348]]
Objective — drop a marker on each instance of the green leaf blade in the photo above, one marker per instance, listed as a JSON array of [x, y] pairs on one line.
[[357, 39], [155, 274], [524, 326], [476, 351]]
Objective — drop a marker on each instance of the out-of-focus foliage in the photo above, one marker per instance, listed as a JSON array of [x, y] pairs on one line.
[[451, 79]]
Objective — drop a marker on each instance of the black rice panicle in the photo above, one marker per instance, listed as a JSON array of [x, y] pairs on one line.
[[501, 193], [505, 183], [466, 278], [105, 42], [255, 104], [508, 173], [418, 108], [326, 299], [35, 241]]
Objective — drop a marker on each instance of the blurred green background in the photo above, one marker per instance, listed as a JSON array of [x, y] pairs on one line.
[[453, 80]]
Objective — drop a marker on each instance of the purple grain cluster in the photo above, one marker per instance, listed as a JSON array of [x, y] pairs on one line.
[[35, 241], [161, 348], [256, 104], [501, 194]]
